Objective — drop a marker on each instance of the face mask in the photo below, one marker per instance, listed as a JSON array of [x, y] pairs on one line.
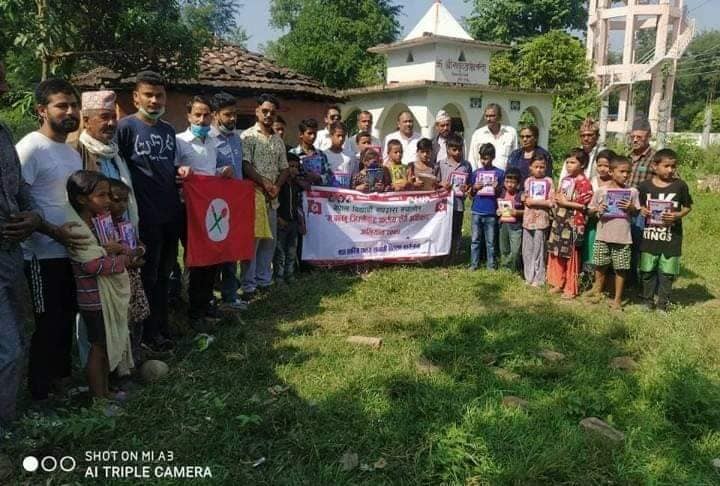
[[224, 130], [155, 115], [200, 130]]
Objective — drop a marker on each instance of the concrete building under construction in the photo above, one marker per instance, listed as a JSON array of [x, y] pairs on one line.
[[653, 34]]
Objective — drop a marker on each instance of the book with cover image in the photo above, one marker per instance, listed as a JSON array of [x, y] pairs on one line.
[[374, 175], [505, 206], [567, 186], [538, 190], [458, 179], [657, 207], [312, 164], [612, 198], [487, 180], [104, 228], [127, 234], [341, 179], [428, 181], [398, 173]]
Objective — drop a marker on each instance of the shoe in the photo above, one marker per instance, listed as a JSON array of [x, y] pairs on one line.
[[236, 305], [249, 295], [202, 324]]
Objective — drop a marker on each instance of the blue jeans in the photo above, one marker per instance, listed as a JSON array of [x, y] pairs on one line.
[[483, 228]]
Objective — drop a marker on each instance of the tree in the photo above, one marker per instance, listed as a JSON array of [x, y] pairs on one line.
[[216, 18], [508, 20], [328, 39], [698, 72]]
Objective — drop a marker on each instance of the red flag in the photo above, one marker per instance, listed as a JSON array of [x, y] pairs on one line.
[[220, 220]]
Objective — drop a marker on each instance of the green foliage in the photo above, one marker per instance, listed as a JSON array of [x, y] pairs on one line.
[[699, 121], [508, 20], [215, 18], [698, 72], [328, 39]]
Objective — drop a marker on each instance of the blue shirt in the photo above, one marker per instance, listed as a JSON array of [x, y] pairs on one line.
[[149, 151], [486, 205], [109, 169], [518, 161], [229, 151]]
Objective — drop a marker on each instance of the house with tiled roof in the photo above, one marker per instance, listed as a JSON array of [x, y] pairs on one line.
[[232, 69]]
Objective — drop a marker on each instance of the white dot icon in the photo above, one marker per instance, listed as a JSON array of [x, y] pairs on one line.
[[30, 464]]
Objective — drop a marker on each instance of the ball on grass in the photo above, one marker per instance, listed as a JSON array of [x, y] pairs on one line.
[[153, 370]]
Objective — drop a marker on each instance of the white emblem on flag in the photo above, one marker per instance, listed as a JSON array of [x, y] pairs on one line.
[[217, 220]]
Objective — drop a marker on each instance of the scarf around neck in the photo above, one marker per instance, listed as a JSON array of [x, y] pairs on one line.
[[98, 148]]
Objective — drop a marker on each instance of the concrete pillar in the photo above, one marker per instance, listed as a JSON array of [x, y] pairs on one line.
[[656, 93], [629, 37]]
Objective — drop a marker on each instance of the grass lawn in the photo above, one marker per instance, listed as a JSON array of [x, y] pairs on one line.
[[287, 387]]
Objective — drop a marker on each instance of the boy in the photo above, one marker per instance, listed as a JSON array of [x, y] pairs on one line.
[[363, 140], [317, 170], [279, 127], [290, 224], [454, 173], [485, 186], [661, 244], [510, 220], [613, 241], [342, 165], [398, 171]]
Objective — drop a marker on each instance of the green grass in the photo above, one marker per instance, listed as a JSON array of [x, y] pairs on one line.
[[447, 427]]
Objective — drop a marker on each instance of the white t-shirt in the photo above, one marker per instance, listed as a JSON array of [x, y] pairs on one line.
[[351, 147], [504, 143], [200, 155], [409, 146], [46, 166], [341, 162]]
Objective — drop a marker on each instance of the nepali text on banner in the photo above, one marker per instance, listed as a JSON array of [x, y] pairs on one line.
[[220, 220], [345, 226]]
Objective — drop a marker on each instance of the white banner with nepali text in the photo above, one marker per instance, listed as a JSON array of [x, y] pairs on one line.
[[345, 226]]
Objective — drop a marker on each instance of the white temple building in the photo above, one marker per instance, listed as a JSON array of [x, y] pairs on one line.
[[438, 66]]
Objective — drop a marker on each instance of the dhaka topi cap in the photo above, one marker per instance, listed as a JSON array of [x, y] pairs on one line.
[[442, 116], [98, 100]]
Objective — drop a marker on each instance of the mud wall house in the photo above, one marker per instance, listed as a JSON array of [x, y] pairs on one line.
[[234, 70]]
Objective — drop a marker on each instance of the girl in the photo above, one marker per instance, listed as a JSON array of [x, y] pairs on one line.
[[103, 287], [373, 177], [602, 178], [139, 309], [568, 226], [538, 200]]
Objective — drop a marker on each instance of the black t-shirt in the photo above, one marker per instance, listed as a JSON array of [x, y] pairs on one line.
[[665, 240], [149, 151]]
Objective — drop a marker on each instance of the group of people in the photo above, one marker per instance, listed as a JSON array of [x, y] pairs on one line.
[[100, 219]]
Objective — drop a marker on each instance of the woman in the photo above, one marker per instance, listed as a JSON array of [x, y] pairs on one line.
[[522, 157]]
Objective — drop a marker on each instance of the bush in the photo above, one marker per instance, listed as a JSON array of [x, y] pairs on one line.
[[19, 123]]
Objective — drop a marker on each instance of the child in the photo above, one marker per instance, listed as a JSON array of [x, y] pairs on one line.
[[373, 177], [538, 199], [453, 173], [568, 226], [290, 223], [314, 166], [613, 241], [422, 174], [363, 140], [343, 166], [399, 173], [139, 308], [661, 245], [510, 216], [602, 167], [103, 287], [485, 183]]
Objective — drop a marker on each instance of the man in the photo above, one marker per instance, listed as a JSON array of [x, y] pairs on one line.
[[407, 137], [18, 219], [589, 134], [147, 144], [443, 122], [364, 124], [266, 154], [323, 139], [98, 150], [503, 137], [47, 162], [229, 153], [642, 154]]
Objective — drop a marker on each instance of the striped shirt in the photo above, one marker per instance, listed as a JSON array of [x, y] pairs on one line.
[[86, 274]]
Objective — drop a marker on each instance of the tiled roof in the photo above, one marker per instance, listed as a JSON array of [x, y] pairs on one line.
[[229, 68]]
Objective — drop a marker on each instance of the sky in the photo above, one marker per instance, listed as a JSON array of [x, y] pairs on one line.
[[255, 16]]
